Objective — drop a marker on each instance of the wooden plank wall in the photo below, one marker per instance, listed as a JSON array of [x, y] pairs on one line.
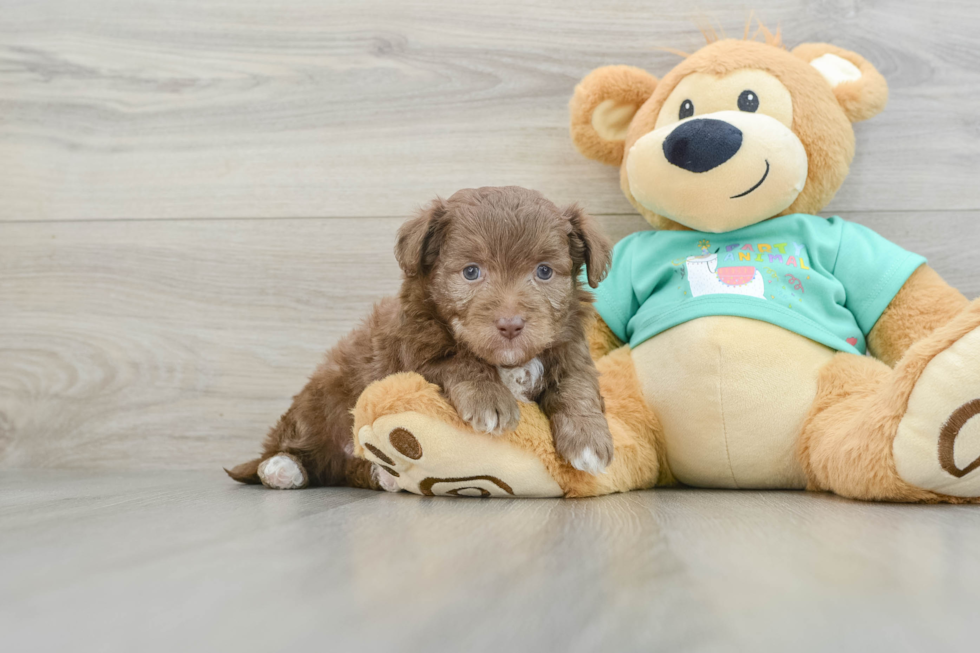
[[197, 197]]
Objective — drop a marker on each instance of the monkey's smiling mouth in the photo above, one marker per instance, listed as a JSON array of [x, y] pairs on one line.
[[735, 197]]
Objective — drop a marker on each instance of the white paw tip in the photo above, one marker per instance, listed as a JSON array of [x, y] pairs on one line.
[[490, 421], [385, 480], [282, 473], [587, 461]]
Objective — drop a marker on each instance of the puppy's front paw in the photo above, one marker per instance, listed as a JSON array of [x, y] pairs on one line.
[[583, 440], [487, 407]]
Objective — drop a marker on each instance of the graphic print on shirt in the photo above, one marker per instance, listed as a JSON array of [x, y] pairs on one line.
[[705, 278], [817, 279]]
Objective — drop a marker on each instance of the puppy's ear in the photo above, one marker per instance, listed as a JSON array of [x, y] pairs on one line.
[[587, 244], [419, 239]]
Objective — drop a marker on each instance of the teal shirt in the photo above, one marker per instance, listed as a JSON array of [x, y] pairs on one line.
[[826, 279]]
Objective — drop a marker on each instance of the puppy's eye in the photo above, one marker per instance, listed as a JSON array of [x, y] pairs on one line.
[[687, 109], [471, 272], [544, 272], [748, 101]]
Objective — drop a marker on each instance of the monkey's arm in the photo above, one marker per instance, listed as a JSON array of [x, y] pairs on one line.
[[600, 337], [924, 303]]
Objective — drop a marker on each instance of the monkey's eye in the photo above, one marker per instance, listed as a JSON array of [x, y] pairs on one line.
[[748, 101], [471, 272], [687, 109], [544, 272]]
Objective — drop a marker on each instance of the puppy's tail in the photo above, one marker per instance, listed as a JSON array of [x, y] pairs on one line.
[[246, 472]]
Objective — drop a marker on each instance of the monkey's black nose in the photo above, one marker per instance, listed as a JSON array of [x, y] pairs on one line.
[[703, 144]]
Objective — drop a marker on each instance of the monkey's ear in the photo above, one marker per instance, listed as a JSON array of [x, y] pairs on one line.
[[587, 244], [420, 239], [860, 89], [603, 107]]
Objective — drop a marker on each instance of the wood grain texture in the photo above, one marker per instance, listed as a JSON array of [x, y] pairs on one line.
[[178, 561], [176, 344], [197, 199], [123, 109]]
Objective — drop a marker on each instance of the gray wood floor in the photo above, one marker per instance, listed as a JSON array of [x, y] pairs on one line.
[[198, 197], [183, 561]]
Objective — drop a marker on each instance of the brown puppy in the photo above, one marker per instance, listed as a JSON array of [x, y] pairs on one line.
[[491, 309]]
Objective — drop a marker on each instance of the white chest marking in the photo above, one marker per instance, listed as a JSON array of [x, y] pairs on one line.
[[521, 381]]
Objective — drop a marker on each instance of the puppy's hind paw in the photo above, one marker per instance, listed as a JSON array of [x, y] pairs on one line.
[[385, 479], [282, 472]]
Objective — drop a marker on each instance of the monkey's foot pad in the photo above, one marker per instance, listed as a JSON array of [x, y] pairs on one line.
[[429, 451]]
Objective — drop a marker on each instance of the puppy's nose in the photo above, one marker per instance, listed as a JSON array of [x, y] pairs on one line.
[[510, 327], [703, 144]]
